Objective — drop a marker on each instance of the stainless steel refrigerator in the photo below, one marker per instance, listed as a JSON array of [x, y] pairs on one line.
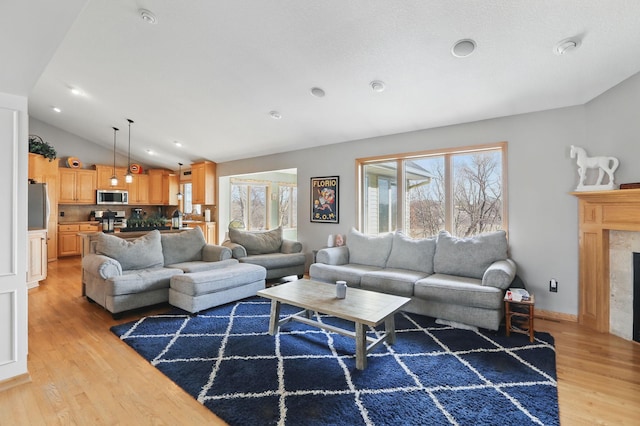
[[38, 206]]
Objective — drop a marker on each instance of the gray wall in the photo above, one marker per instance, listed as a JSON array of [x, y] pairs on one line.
[[542, 214]]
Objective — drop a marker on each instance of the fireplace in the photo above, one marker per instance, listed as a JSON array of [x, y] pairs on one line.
[[602, 213]]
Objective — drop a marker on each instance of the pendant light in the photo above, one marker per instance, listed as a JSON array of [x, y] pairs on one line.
[[128, 178], [179, 179], [114, 178]]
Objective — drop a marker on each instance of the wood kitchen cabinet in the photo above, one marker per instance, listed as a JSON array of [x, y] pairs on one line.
[[104, 174], [69, 242], [139, 190], [76, 186], [163, 187], [37, 270], [203, 183], [42, 170]]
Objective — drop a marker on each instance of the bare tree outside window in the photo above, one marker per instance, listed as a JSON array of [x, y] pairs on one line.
[[460, 191], [249, 205], [287, 206], [425, 196], [477, 193]]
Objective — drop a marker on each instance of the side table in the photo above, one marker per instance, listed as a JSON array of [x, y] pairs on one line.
[[519, 316]]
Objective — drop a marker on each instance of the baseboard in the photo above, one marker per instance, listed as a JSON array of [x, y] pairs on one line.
[[15, 381], [555, 316]]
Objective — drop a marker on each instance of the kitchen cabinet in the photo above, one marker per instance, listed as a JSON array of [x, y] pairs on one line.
[[42, 170], [203, 183], [37, 270], [104, 174], [69, 242], [139, 190], [163, 187], [76, 186]]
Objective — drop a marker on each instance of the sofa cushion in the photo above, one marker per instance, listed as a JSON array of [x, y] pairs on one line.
[[451, 289], [257, 242], [468, 257], [140, 281], [232, 276], [185, 246], [412, 253], [392, 281], [199, 266], [276, 260], [142, 253], [351, 273], [372, 250]]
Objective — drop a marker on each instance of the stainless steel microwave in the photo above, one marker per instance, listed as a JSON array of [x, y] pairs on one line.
[[112, 196]]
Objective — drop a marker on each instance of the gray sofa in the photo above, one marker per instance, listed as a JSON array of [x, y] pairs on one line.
[[448, 278], [279, 256], [121, 274]]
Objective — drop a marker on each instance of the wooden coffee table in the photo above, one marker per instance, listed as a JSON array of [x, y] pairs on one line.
[[363, 307]]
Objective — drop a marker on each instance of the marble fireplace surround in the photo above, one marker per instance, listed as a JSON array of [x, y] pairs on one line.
[[600, 212], [623, 244]]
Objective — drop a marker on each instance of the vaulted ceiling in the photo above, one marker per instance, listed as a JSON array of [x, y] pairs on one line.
[[211, 75]]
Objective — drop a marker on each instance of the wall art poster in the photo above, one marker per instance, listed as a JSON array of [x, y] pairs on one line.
[[324, 199]]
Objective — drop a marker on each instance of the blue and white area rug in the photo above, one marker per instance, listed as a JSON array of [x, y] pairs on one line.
[[432, 375]]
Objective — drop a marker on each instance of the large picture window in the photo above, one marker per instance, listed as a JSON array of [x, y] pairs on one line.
[[249, 205], [461, 190]]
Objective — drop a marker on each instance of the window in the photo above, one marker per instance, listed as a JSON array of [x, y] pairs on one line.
[[460, 190], [187, 198], [249, 205], [288, 206]]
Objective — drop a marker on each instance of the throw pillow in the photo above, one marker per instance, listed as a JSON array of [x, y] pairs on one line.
[[412, 253], [142, 253], [469, 257], [257, 242], [371, 250], [185, 246]]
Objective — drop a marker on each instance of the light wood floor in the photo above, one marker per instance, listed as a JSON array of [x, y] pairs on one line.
[[83, 375]]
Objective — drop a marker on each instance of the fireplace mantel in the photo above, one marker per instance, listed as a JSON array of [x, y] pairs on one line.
[[598, 213]]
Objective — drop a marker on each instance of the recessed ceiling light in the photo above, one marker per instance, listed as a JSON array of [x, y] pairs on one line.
[[377, 85], [566, 46], [463, 48], [56, 109], [148, 16], [317, 92], [150, 152], [75, 91], [178, 144], [275, 115]]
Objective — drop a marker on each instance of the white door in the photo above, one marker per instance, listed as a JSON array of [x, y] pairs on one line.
[[13, 238]]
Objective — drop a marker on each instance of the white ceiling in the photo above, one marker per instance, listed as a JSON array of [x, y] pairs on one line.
[[209, 72]]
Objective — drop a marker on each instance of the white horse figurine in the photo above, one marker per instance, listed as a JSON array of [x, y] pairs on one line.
[[604, 165]]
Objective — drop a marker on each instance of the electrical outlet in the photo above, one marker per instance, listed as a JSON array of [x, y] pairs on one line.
[[553, 285], [61, 214]]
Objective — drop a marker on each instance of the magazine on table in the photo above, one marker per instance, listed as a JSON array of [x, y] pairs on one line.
[[517, 294]]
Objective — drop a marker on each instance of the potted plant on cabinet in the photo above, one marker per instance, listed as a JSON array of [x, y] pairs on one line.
[[38, 146]]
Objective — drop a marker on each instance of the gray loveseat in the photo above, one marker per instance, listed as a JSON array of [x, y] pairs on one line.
[[452, 279], [121, 274], [279, 256]]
